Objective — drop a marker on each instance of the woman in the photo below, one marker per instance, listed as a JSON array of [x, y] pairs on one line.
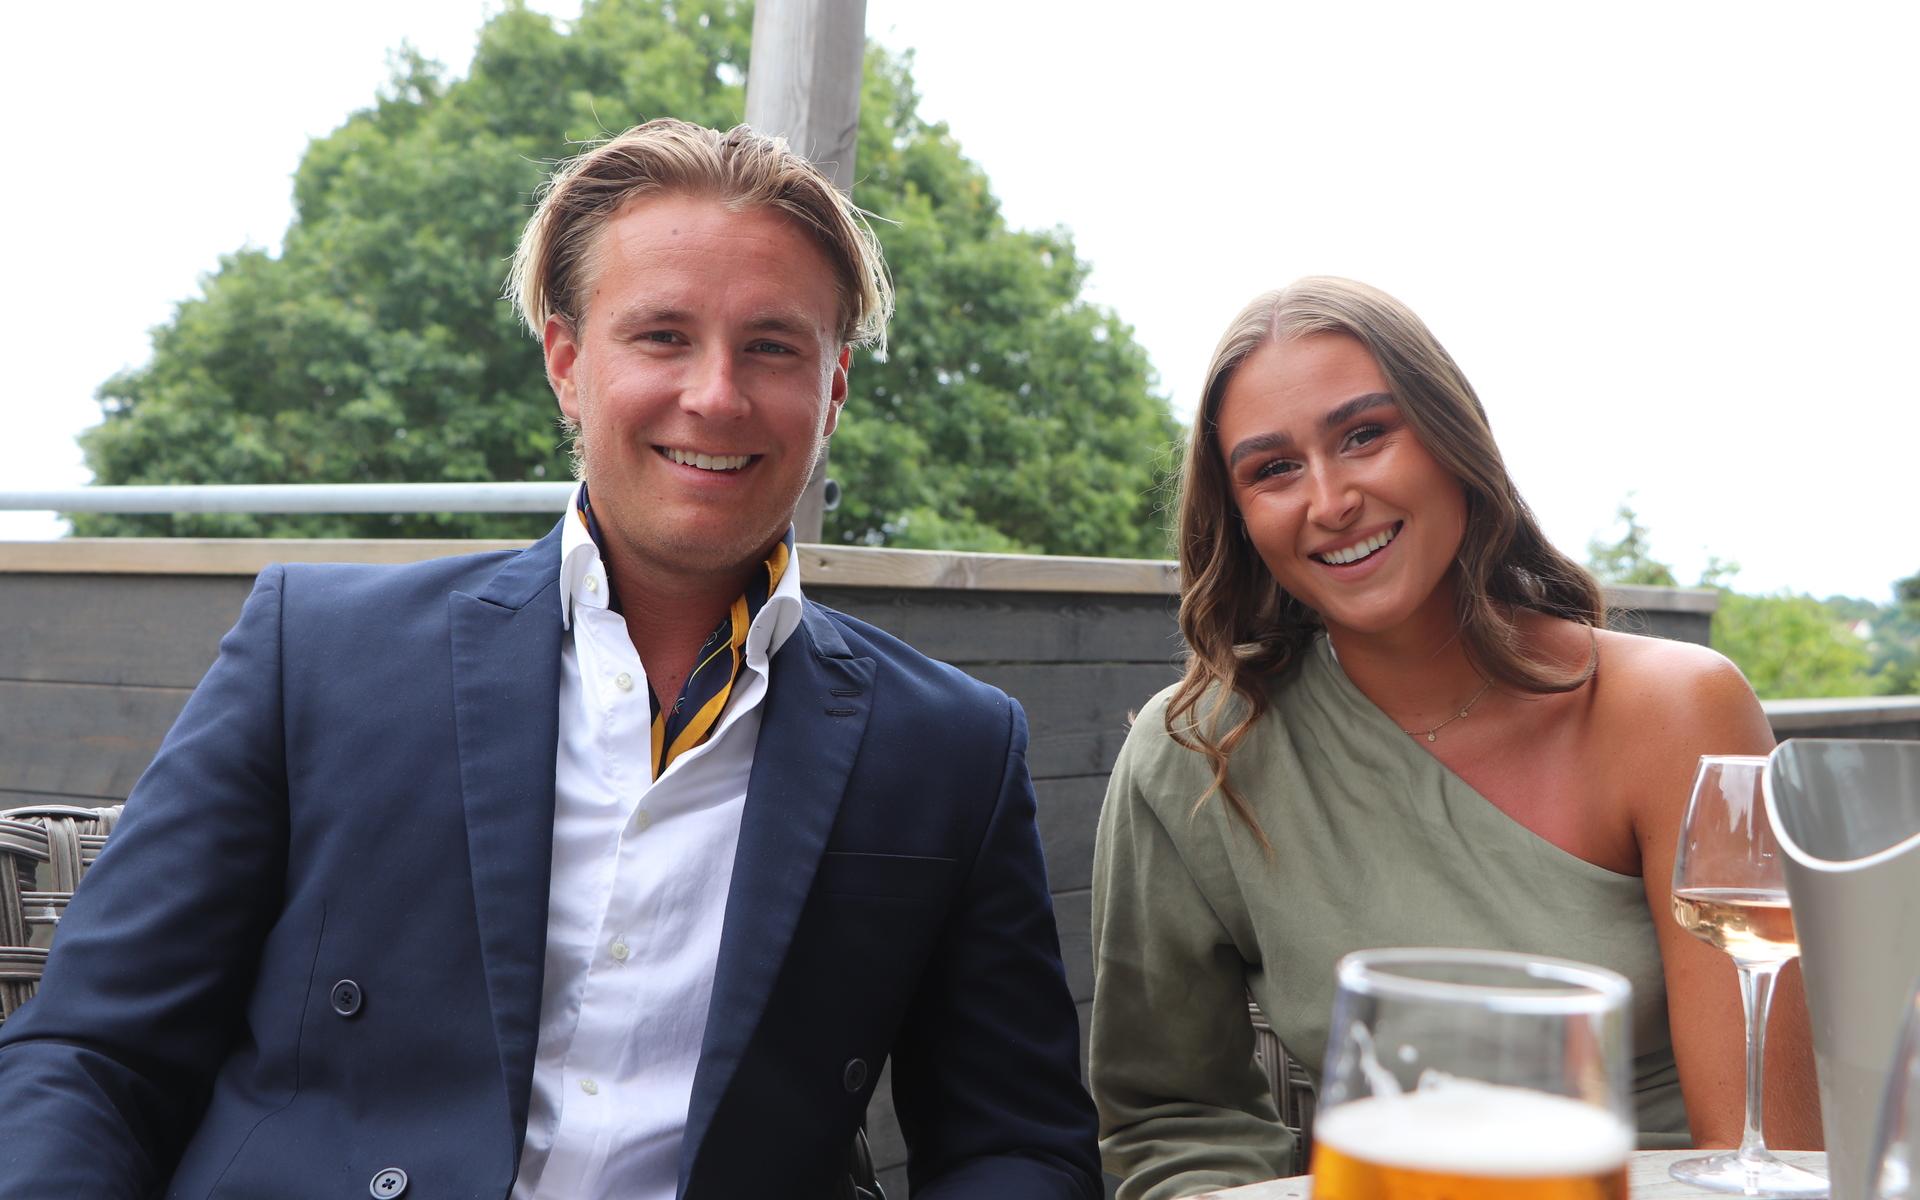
[[1401, 724]]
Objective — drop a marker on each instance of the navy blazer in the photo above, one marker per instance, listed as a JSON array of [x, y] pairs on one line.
[[361, 789]]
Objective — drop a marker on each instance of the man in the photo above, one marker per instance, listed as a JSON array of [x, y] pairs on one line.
[[612, 867]]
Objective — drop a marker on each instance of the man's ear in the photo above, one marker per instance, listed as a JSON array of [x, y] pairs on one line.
[[562, 352], [837, 391]]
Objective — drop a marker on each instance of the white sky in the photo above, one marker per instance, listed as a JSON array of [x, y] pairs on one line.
[[1673, 245]]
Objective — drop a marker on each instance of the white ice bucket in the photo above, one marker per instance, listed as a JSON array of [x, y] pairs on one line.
[[1847, 816]]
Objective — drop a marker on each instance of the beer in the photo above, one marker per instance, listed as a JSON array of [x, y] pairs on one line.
[[1461, 1139], [1750, 923]]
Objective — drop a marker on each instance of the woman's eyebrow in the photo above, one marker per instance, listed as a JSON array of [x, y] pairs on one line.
[[1259, 443], [1354, 407], [1266, 443]]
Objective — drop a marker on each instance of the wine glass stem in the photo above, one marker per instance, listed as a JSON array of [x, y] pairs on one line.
[[1756, 995]]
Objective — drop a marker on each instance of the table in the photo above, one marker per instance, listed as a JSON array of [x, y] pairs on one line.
[[1646, 1177]]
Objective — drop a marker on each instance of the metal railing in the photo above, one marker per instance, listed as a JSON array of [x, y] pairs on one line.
[[296, 498]]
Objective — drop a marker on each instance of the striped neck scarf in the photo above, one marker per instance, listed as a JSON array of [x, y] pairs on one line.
[[696, 711]]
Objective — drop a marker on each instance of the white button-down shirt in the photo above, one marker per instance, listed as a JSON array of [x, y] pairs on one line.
[[641, 871]]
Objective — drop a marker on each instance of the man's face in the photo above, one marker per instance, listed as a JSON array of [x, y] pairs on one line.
[[705, 378]]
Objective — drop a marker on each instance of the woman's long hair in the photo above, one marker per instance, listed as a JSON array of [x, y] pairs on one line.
[[1242, 628]]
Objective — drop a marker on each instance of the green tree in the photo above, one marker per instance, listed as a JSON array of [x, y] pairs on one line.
[[1787, 645], [1007, 413], [1630, 559], [1896, 640], [1791, 646]]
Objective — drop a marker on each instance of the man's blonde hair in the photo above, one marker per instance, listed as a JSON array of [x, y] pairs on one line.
[[743, 169]]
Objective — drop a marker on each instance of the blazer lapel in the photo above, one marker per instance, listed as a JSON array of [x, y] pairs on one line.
[[506, 680], [817, 703]]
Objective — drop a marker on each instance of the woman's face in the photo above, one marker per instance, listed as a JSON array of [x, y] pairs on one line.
[[1345, 506]]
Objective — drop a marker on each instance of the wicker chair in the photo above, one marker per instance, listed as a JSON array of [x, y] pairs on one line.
[[43, 853], [1293, 1091]]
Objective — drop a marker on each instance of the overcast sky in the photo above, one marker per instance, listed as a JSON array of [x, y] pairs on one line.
[[1673, 245]]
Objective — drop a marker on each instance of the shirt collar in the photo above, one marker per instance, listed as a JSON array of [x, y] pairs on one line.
[[583, 581]]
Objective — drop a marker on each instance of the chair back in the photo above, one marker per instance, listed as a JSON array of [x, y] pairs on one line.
[[44, 852], [1292, 1088]]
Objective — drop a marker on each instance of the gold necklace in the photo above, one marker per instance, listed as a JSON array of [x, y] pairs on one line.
[[1433, 735]]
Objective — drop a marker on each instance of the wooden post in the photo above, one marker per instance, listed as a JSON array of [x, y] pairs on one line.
[[803, 83]]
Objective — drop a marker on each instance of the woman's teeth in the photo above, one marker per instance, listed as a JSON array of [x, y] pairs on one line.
[[1359, 550], [708, 462]]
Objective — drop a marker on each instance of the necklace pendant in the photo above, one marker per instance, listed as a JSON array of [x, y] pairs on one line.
[[1433, 735]]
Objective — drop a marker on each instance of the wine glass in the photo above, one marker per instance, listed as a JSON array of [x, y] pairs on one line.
[[1729, 889], [1896, 1156], [1477, 1073]]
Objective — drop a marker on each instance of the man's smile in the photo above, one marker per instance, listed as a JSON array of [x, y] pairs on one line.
[[704, 462]]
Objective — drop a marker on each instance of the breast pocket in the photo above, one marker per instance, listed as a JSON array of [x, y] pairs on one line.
[[883, 876]]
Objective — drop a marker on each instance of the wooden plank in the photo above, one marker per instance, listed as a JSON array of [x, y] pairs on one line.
[[1827, 713], [1674, 625], [144, 630], [805, 81], [1078, 711], [821, 565], [1068, 812], [223, 556], [969, 627], [81, 739], [1908, 731], [805, 87], [37, 799], [826, 566], [861, 566], [1667, 599], [1073, 914], [1087, 751]]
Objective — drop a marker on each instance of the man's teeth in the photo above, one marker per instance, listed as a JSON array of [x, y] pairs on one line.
[[1360, 550], [708, 462]]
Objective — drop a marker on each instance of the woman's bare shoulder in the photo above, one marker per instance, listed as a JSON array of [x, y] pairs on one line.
[[1661, 668], [1674, 694]]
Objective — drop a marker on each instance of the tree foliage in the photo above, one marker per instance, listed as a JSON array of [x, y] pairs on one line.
[[1630, 559], [1007, 413], [1788, 645], [1791, 646], [1896, 640]]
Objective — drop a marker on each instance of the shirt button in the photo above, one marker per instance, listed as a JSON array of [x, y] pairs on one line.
[[593, 585], [641, 820], [623, 681], [589, 1087], [619, 951]]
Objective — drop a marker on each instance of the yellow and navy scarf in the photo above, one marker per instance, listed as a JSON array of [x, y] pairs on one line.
[[696, 711]]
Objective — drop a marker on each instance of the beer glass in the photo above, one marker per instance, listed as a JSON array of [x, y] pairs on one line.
[[1730, 889], [1474, 1073]]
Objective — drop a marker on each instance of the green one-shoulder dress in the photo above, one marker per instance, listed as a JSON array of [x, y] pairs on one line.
[[1375, 843]]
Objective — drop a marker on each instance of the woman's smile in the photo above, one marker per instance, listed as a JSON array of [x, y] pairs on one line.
[[1366, 549]]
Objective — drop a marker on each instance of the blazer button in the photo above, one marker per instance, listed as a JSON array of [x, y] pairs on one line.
[[855, 1074], [346, 999], [390, 1182]]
